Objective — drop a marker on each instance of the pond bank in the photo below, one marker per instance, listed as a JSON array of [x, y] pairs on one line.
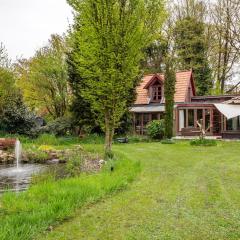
[[52, 201]]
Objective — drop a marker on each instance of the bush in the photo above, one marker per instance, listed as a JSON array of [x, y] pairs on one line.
[[203, 142], [16, 117], [35, 155], [59, 127], [155, 129]]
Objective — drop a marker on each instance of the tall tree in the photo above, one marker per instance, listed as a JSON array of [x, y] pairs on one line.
[[225, 41], [43, 78], [169, 91], [111, 36], [7, 78], [192, 52]]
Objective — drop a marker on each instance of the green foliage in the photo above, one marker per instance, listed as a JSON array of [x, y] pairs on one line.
[[154, 56], [138, 138], [109, 37], [192, 52], [43, 78], [80, 109], [47, 139], [155, 129], [26, 214], [16, 117], [60, 127], [169, 91], [93, 139], [203, 142], [74, 163], [35, 155]]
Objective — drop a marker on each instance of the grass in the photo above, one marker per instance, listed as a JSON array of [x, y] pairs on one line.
[[183, 192], [24, 215], [203, 142]]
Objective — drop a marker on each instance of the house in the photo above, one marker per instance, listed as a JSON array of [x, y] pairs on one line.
[[218, 114]]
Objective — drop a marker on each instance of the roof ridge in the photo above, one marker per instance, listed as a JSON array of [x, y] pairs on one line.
[[180, 71]]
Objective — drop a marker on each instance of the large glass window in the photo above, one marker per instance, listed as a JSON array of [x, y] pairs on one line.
[[138, 119], [146, 119], [199, 115], [182, 119], [207, 119], [233, 124]]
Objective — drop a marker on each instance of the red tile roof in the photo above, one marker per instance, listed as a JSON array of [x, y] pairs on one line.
[[184, 80]]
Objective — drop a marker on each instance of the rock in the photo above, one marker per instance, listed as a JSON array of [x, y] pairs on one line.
[[102, 162], [53, 161], [62, 161]]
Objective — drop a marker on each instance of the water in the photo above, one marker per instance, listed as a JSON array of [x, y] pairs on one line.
[[17, 178], [18, 152]]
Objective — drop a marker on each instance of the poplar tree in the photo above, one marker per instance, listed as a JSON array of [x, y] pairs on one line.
[[169, 91], [111, 35]]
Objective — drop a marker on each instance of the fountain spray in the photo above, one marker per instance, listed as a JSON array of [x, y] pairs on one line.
[[18, 152]]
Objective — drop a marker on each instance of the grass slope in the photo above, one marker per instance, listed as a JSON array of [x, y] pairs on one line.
[[184, 192], [24, 215]]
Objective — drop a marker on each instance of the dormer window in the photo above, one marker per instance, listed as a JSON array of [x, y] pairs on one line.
[[156, 93], [155, 89]]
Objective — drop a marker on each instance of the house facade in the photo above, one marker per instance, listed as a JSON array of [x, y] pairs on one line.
[[219, 115]]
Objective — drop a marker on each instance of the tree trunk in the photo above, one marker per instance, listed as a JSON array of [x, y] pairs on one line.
[[109, 132]]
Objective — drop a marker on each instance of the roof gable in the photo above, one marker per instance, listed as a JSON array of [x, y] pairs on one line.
[[155, 77], [184, 82]]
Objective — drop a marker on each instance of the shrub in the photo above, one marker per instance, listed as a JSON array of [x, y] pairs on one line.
[[203, 142], [16, 117], [60, 126], [34, 155], [155, 129]]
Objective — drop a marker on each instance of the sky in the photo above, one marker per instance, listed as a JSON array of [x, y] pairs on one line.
[[26, 25]]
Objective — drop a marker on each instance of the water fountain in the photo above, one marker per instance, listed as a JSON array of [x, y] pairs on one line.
[[16, 176], [18, 152]]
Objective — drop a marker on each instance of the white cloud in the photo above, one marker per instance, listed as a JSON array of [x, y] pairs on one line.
[[26, 25]]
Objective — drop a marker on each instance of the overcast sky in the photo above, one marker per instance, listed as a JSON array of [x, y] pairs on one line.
[[26, 25]]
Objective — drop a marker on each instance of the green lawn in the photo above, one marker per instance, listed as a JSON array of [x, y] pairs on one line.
[[183, 192]]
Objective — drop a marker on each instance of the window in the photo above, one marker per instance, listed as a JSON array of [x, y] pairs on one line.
[[154, 116], [146, 119], [207, 119], [190, 118], [182, 119], [199, 115], [156, 93], [233, 124]]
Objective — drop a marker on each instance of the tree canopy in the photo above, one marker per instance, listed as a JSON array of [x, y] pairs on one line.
[[43, 79], [111, 36]]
